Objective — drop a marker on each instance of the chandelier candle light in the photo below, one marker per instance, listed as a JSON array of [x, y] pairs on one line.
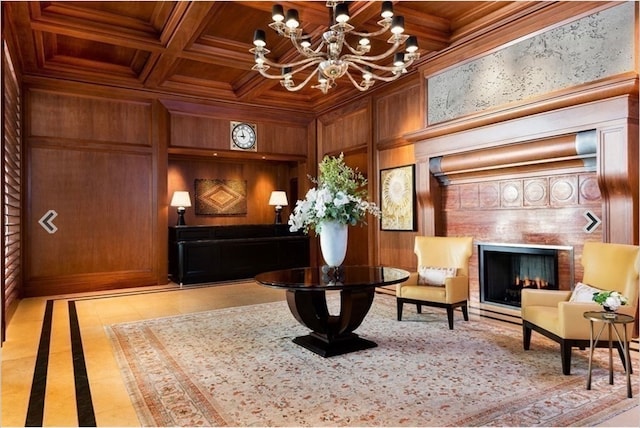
[[325, 58]]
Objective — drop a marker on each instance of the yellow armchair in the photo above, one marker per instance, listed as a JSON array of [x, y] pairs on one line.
[[439, 252], [550, 313]]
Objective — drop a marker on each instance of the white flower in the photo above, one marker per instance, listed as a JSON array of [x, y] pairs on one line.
[[341, 199], [613, 302]]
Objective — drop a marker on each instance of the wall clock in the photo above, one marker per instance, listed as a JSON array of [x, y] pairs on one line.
[[244, 136]]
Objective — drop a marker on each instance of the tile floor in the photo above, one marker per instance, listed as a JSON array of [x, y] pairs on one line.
[[109, 404]]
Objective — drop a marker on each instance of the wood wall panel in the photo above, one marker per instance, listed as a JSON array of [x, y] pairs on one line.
[[213, 133], [396, 248], [85, 118], [104, 221], [282, 138], [489, 195], [348, 130], [199, 132], [398, 113], [345, 129], [618, 178]]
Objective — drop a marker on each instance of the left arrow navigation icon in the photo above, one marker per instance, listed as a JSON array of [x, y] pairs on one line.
[[46, 221]]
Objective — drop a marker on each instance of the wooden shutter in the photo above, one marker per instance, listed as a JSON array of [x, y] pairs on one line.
[[11, 185]]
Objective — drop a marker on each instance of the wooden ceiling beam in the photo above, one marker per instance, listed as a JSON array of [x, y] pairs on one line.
[[18, 14], [187, 28]]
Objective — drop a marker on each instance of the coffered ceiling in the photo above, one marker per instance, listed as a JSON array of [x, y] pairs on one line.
[[201, 49]]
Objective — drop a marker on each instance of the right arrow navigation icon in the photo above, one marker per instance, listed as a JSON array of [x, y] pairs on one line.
[[593, 222]]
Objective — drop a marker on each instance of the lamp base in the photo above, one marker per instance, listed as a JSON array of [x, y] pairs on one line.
[[181, 221], [278, 217]]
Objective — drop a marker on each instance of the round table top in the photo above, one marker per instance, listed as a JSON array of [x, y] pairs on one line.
[[606, 317], [325, 278]]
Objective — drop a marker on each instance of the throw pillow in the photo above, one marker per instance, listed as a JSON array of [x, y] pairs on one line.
[[583, 293], [434, 275]]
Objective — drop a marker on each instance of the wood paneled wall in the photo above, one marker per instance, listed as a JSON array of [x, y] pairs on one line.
[[398, 110], [208, 129], [348, 130], [91, 160], [373, 129], [107, 162]]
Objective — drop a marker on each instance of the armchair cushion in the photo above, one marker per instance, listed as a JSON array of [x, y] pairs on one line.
[[583, 293], [434, 275]]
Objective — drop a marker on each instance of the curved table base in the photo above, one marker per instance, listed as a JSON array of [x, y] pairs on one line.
[[331, 334]]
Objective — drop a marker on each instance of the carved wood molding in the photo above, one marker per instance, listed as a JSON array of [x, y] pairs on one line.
[[571, 151]]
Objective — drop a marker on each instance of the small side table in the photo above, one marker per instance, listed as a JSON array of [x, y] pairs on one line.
[[611, 323]]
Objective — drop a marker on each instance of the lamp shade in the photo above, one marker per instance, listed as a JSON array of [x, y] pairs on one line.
[[180, 199], [278, 198]]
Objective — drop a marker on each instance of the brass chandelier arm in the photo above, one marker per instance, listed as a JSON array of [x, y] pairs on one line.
[[392, 69], [307, 52], [385, 24], [263, 69], [289, 86], [306, 62], [363, 86], [383, 55]]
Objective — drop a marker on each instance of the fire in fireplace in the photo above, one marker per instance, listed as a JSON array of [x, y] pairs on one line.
[[505, 269]]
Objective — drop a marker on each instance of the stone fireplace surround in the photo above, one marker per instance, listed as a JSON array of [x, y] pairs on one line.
[[519, 178]]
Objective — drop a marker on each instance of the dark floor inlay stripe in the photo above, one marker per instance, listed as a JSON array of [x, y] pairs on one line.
[[86, 415], [35, 411]]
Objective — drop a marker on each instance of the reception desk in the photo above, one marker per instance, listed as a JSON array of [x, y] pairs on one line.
[[199, 254]]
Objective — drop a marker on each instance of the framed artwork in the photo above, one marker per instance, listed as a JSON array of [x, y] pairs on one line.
[[220, 197], [398, 198]]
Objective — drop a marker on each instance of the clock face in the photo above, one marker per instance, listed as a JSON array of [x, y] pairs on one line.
[[243, 136]]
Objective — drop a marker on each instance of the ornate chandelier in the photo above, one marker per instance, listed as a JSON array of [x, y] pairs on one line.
[[325, 58]]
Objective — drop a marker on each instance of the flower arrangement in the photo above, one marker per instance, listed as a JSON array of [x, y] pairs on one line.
[[610, 299], [340, 195]]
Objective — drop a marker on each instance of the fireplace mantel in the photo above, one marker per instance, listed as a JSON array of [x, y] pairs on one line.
[[615, 123]]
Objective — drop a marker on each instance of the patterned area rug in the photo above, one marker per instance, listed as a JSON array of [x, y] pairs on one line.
[[239, 367]]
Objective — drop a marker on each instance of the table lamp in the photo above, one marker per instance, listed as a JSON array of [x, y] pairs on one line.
[[278, 199], [181, 200]]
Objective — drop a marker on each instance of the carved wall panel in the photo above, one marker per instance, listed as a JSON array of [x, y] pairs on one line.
[[536, 192], [511, 194], [539, 210]]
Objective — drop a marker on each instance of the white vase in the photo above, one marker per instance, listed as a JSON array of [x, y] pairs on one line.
[[333, 242]]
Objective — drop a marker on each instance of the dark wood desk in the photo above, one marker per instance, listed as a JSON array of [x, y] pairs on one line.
[[219, 253], [306, 287]]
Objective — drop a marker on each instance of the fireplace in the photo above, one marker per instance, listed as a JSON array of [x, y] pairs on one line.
[[505, 269]]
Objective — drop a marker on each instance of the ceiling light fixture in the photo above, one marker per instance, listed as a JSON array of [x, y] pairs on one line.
[[326, 60]]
